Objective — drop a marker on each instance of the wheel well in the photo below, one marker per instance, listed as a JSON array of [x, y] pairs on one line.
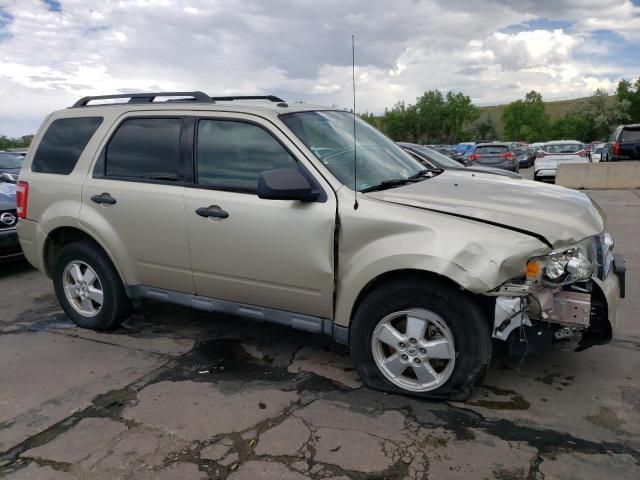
[[59, 238], [421, 276]]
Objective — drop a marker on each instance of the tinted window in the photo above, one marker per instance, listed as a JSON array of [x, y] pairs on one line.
[[630, 135], [231, 155], [63, 143], [492, 149], [147, 148]]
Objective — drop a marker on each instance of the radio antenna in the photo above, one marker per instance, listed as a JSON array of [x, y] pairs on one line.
[[355, 152]]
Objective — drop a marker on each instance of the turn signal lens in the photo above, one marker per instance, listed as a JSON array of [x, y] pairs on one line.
[[533, 270]]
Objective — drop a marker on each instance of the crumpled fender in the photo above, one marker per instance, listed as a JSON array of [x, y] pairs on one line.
[[382, 237]]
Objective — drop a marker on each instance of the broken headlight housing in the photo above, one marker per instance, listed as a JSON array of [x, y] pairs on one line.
[[561, 267]]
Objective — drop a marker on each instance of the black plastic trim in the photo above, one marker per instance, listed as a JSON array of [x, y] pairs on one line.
[[149, 97], [620, 269], [271, 98], [307, 323]]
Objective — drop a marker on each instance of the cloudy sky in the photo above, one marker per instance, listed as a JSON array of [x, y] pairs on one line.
[[55, 51]]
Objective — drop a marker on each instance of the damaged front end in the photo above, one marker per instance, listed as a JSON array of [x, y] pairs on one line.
[[568, 293]]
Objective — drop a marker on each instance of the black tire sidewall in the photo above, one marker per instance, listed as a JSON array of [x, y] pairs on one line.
[[463, 317], [115, 306]]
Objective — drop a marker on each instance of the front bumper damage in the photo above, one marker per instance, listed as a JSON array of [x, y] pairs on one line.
[[534, 315]]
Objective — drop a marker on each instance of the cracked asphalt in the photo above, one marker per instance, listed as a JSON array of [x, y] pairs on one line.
[[176, 393]]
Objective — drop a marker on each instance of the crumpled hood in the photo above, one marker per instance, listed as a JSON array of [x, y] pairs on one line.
[[560, 215]]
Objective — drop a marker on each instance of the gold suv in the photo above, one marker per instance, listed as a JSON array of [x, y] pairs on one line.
[[308, 217]]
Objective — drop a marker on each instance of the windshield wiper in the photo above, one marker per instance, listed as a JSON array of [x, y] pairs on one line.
[[396, 182], [426, 173]]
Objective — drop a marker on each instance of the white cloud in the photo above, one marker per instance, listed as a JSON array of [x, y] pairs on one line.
[[301, 50]]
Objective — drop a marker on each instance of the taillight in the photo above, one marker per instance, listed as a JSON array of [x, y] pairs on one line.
[[616, 148], [508, 155], [474, 156], [582, 153], [22, 193]]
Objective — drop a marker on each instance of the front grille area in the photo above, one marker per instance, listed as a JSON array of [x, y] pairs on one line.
[[8, 219]]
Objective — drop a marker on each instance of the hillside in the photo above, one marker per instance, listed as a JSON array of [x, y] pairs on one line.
[[555, 110]]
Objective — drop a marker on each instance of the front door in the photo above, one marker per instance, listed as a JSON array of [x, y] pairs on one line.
[[269, 253]]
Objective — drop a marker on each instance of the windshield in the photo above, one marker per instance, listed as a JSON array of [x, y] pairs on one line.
[[437, 157], [9, 160], [562, 148], [329, 135]]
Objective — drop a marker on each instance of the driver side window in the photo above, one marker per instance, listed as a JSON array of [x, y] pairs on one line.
[[230, 155]]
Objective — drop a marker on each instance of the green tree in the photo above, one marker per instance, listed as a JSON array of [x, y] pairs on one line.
[[526, 119], [483, 129], [593, 119], [458, 112], [19, 142], [430, 110], [401, 122], [628, 94]]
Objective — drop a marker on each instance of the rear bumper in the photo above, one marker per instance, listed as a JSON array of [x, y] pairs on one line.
[[31, 240], [546, 172], [9, 245]]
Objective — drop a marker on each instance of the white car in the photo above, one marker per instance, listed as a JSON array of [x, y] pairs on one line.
[[598, 152], [553, 153]]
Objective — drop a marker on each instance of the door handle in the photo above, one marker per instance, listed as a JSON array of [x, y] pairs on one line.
[[212, 211], [103, 198]]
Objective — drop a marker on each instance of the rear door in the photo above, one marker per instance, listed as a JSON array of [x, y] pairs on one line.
[[270, 253], [133, 201]]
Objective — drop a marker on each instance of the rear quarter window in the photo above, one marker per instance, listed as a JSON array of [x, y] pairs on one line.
[[63, 143]]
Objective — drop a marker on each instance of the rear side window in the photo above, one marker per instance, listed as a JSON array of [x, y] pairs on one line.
[[230, 155], [630, 135], [492, 149], [145, 148], [63, 143]]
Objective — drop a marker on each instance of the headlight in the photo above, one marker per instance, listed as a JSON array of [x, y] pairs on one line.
[[569, 265]]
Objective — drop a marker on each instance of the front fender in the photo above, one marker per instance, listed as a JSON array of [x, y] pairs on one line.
[[382, 237]]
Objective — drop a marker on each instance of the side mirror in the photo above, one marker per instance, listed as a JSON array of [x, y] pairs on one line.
[[285, 184]]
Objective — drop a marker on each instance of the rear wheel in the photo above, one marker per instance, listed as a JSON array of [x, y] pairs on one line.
[[88, 287], [422, 338]]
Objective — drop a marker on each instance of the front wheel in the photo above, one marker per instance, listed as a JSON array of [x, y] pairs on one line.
[[420, 337]]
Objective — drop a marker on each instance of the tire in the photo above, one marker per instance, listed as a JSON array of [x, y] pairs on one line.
[[437, 302], [115, 306], [536, 178]]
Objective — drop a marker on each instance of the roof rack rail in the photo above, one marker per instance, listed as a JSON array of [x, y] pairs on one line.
[[271, 98], [147, 97]]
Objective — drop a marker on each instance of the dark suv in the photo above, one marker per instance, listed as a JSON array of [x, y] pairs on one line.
[[625, 143]]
